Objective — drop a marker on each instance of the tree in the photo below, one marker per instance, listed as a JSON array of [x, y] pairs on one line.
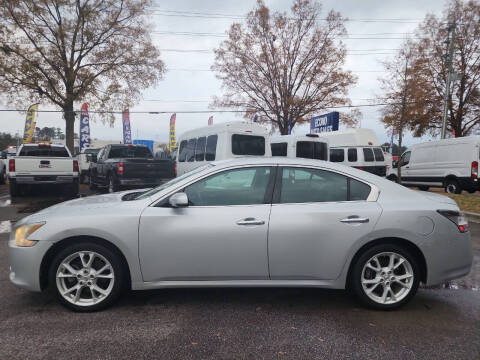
[[6, 140], [464, 102], [395, 149], [403, 94], [284, 67], [63, 52]]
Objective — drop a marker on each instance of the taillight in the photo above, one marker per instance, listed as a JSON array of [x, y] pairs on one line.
[[75, 166], [457, 218], [175, 169], [11, 165], [120, 168], [474, 169], [360, 168]]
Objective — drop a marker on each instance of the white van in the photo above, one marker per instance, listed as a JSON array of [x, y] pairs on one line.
[[367, 158], [448, 163], [219, 142], [310, 146]]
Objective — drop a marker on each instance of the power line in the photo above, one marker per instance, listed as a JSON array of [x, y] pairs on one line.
[[208, 70], [366, 51]]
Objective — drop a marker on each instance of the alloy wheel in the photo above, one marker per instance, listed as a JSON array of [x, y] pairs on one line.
[[387, 278], [85, 278]]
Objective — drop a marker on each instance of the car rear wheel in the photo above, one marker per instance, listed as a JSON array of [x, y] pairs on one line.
[[424, 188], [452, 187], [3, 177], [385, 277], [91, 184], [86, 277], [13, 188]]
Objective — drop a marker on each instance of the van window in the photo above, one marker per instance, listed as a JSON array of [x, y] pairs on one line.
[[200, 149], [211, 149], [182, 154], [378, 154], [191, 150], [248, 145], [337, 155], [367, 154], [312, 150], [352, 155], [279, 149]]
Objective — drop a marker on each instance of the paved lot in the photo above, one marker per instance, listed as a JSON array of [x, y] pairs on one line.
[[441, 323]]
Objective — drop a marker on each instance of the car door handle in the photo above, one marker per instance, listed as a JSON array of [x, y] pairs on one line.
[[250, 221], [355, 220]]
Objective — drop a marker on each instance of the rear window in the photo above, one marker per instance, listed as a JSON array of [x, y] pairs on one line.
[[352, 155], [312, 150], [367, 154], [191, 150], [337, 155], [279, 149], [182, 153], [378, 154], [44, 151], [248, 145], [200, 149], [211, 149], [92, 151], [129, 152]]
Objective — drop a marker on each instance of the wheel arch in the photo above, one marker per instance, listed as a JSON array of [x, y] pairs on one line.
[[62, 244], [406, 244]]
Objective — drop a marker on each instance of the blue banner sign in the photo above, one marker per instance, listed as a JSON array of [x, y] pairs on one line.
[[84, 128], [325, 123], [148, 143]]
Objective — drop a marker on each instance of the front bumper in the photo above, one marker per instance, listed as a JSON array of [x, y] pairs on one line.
[[45, 179], [25, 264]]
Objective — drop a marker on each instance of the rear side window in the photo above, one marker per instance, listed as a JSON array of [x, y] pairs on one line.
[[211, 149], [248, 145], [352, 155], [312, 150], [182, 153], [378, 154], [279, 149], [358, 190], [200, 149], [44, 151], [191, 150], [367, 154], [337, 155]]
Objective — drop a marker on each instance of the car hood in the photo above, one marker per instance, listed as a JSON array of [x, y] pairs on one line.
[[437, 197]]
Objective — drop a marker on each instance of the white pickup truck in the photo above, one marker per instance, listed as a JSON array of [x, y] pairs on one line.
[[38, 164]]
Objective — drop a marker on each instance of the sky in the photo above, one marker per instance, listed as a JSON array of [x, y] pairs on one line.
[[189, 85]]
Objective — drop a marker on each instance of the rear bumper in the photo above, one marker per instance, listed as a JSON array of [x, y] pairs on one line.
[[468, 183], [45, 179]]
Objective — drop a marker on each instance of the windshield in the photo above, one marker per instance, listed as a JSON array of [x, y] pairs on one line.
[[92, 151], [172, 182]]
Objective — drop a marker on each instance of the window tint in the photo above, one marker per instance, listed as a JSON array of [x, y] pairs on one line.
[[337, 155], [44, 151], [91, 151], [378, 154], [183, 151], [405, 158], [358, 190], [367, 154], [321, 151], [129, 152], [211, 149], [191, 150], [279, 149], [200, 149], [232, 187], [312, 150], [352, 155], [248, 145], [301, 185]]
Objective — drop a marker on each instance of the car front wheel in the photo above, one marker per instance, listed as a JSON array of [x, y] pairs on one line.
[[385, 277], [86, 277]]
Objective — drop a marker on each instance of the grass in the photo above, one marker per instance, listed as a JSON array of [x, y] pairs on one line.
[[466, 202]]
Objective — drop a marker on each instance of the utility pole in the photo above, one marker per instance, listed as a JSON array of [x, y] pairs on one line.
[[449, 62]]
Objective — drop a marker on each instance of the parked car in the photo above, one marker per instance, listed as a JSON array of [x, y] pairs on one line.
[[43, 164], [3, 167], [448, 163], [125, 166], [268, 222], [220, 142], [84, 159], [309, 146]]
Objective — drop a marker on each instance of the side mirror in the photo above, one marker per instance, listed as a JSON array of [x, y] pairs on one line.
[[178, 200], [394, 164]]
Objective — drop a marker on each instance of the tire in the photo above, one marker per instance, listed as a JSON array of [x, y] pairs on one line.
[[14, 188], [106, 286], [112, 185], [471, 191], [91, 184], [392, 178], [381, 283], [452, 187], [74, 189], [424, 188]]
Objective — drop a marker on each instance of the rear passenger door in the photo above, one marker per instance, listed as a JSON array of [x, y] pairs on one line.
[[317, 216]]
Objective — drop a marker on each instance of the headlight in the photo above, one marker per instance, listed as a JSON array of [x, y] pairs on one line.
[[23, 232]]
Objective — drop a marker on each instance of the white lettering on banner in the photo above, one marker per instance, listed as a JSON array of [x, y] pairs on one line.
[[86, 138], [85, 129]]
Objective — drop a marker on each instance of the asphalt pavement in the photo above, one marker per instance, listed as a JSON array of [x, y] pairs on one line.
[[440, 323]]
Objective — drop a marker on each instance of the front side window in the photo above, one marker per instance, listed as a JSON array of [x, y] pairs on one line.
[[378, 154], [245, 186], [200, 149], [211, 149], [191, 150], [248, 145], [405, 158], [337, 155], [352, 155], [182, 153], [279, 149], [368, 154]]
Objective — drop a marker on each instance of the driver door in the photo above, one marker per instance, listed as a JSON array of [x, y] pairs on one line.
[[221, 235]]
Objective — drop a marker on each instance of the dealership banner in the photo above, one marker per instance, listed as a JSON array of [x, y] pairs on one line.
[[84, 128], [30, 124], [325, 123], [127, 131], [172, 145]]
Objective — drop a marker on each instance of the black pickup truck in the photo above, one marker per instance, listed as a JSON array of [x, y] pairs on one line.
[[120, 166]]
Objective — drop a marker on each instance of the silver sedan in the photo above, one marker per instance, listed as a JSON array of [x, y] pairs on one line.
[[252, 222]]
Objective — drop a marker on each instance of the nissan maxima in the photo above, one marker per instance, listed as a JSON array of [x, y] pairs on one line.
[[264, 222]]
